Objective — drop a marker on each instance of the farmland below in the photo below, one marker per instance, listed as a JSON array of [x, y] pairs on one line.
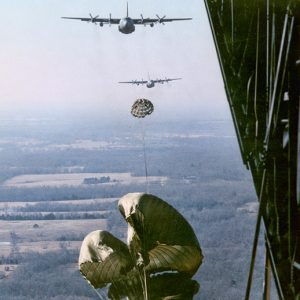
[[57, 186]]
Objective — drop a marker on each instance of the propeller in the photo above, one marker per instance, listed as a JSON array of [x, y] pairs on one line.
[[160, 20], [109, 21], [93, 19], [142, 20]]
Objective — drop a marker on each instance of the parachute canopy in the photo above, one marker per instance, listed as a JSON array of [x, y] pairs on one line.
[[141, 108], [159, 239], [103, 258], [163, 286], [159, 236]]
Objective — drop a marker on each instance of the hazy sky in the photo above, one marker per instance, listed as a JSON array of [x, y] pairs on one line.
[[51, 64]]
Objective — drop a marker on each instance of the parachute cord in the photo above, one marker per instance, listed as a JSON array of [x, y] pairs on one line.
[[145, 284], [145, 158], [144, 267], [142, 283], [142, 272]]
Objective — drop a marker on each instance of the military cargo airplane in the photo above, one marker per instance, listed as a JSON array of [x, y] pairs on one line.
[[126, 25], [150, 82]]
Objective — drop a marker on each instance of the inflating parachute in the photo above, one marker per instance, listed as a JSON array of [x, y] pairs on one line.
[[159, 236], [103, 258], [159, 239], [141, 108]]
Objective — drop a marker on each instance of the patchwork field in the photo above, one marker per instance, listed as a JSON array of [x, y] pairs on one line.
[[76, 179], [40, 230], [40, 247], [15, 206], [72, 221]]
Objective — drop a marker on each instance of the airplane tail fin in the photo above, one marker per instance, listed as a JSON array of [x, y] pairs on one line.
[[127, 9]]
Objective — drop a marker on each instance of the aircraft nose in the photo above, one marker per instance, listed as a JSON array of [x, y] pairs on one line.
[[127, 24]]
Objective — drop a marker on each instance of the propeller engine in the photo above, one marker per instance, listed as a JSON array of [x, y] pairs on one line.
[[167, 81], [160, 20], [93, 19]]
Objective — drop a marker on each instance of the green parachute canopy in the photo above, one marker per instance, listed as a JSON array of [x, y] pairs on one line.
[[159, 239]]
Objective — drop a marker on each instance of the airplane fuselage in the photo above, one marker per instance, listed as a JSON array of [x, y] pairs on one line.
[[126, 25], [150, 84]]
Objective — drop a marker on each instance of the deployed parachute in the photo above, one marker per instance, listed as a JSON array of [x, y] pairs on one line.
[[163, 286], [159, 239], [141, 108], [159, 236], [103, 258]]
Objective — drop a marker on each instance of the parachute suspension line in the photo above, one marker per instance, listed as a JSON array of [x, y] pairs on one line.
[[142, 271], [145, 284], [144, 266], [140, 109], [145, 157], [142, 277], [142, 282]]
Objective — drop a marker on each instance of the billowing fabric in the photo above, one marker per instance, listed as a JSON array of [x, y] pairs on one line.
[[103, 258], [141, 108], [159, 237], [163, 287]]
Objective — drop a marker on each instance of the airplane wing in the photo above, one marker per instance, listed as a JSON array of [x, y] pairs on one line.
[[140, 21], [92, 19], [137, 82], [165, 80], [152, 21]]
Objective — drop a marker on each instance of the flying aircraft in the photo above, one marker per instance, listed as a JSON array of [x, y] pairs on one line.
[[150, 83], [126, 25]]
